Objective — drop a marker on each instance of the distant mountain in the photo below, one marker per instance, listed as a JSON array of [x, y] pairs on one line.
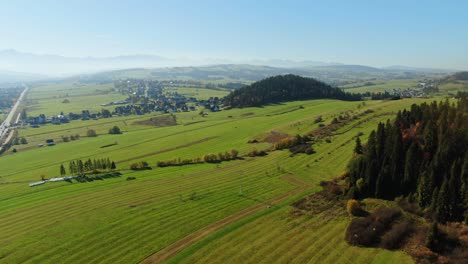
[[291, 63], [416, 69], [60, 66], [13, 60], [346, 68], [13, 77], [229, 72], [460, 76], [244, 73]]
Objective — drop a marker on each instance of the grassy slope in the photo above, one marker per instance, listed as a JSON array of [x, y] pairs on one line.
[[281, 238], [47, 99], [380, 86], [116, 220], [278, 237]]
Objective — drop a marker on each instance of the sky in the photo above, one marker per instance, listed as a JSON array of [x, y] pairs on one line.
[[375, 33]]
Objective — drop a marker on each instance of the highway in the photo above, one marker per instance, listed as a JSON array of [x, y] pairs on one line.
[[5, 126]]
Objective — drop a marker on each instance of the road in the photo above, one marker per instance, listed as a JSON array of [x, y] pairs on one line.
[[5, 126]]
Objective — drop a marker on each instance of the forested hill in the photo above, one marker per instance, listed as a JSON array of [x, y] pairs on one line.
[[283, 88], [422, 155], [460, 76]]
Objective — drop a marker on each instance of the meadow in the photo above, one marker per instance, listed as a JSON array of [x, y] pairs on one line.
[[380, 85], [50, 99], [120, 221]]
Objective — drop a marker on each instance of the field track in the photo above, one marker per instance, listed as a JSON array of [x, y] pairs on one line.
[[170, 251]]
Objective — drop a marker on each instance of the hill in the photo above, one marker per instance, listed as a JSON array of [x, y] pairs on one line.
[[12, 77], [283, 88], [247, 73], [462, 76]]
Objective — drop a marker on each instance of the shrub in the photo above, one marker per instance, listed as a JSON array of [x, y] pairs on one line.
[[91, 133], [386, 215], [394, 238], [367, 231], [409, 207], [142, 165], [255, 153], [363, 231], [354, 208], [115, 130], [318, 120]]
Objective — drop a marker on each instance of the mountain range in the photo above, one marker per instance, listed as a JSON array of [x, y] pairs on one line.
[[21, 66]]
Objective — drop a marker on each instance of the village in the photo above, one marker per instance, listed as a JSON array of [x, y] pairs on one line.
[[422, 90], [144, 96]]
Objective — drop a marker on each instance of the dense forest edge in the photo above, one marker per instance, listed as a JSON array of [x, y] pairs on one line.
[[422, 153], [419, 164]]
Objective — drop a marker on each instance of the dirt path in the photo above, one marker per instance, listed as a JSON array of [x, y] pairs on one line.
[[170, 251]]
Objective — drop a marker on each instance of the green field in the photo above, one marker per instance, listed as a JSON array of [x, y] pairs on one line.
[[454, 86], [49, 99], [120, 221], [380, 85], [200, 93]]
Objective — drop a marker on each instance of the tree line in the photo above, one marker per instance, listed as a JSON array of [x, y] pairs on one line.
[[208, 158], [80, 166], [421, 155]]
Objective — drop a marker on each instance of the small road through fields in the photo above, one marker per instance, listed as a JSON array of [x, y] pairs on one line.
[[171, 250]]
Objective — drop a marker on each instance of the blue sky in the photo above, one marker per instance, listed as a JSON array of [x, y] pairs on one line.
[[376, 33]]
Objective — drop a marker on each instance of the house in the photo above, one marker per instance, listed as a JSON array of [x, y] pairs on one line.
[[50, 142]]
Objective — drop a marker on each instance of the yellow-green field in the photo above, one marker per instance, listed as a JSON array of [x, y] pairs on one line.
[[199, 93], [49, 99], [380, 86], [120, 221]]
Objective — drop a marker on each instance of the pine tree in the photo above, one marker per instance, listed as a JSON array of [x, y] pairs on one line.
[[62, 170], [432, 240], [411, 169], [72, 167], [442, 210], [90, 165], [80, 166], [425, 190], [113, 167], [358, 147], [108, 164], [455, 198]]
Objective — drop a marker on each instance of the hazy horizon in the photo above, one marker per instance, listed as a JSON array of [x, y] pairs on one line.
[[207, 32]]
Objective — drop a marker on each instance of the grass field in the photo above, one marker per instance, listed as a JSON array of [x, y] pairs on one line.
[[199, 93], [281, 238], [120, 221], [48, 99], [380, 85], [454, 86]]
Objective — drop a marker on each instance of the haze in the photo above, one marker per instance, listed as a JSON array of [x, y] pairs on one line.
[[283, 33]]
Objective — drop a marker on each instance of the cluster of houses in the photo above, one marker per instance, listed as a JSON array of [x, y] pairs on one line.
[[409, 93], [43, 119], [144, 96]]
